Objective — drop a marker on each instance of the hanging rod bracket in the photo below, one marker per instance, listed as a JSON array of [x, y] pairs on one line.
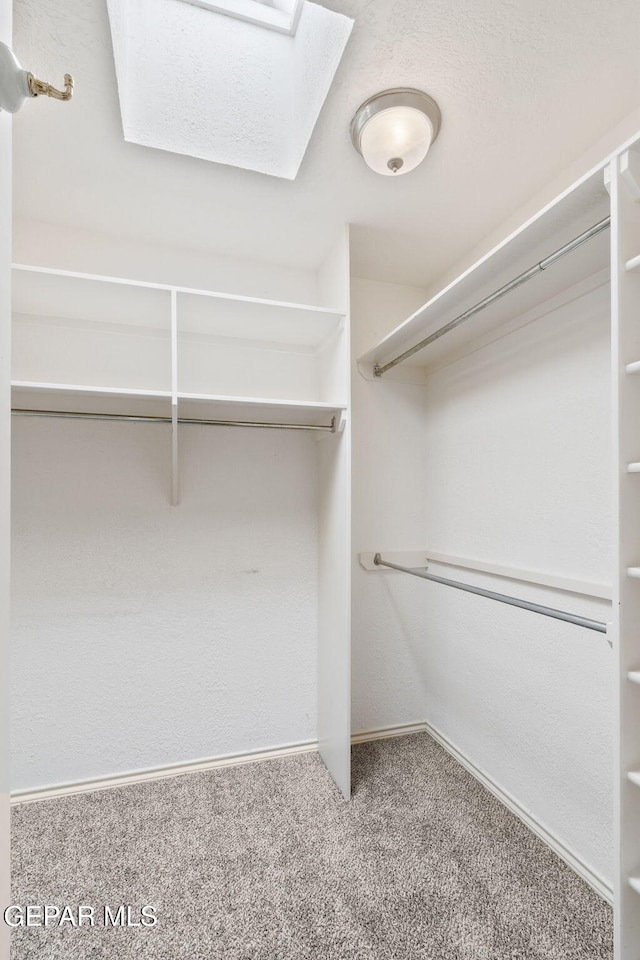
[[38, 88], [18, 85]]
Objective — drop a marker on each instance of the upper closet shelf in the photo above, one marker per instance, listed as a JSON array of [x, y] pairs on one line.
[[571, 214], [48, 292], [96, 337]]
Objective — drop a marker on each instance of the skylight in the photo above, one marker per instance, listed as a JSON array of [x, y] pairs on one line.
[[198, 77], [280, 15]]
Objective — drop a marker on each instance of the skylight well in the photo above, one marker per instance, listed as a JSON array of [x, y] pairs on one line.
[[280, 15], [196, 77]]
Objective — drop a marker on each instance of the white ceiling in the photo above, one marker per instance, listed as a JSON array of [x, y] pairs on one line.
[[524, 89]]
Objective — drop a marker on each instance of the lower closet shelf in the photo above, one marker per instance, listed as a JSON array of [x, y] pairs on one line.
[[192, 406], [116, 401], [62, 397]]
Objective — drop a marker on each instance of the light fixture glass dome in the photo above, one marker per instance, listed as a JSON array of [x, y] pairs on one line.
[[394, 130]]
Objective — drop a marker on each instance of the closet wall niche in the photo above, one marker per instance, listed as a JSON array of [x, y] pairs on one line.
[[96, 334]]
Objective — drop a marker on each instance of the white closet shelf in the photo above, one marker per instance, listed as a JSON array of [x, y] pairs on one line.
[[69, 397], [634, 776], [212, 407], [633, 468], [50, 295], [128, 282], [27, 395], [635, 883], [573, 212], [632, 265], [78, 328]]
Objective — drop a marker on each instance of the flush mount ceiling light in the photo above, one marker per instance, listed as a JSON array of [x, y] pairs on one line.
[[393, 130]]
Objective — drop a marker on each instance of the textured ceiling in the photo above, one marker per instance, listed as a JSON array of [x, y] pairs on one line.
[[524, 88]]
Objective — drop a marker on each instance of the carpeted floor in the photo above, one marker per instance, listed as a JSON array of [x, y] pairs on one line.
[[267, 862]]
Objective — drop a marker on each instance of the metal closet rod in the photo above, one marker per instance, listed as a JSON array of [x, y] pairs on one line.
[[596, 625], [73, 415], [523, 277]]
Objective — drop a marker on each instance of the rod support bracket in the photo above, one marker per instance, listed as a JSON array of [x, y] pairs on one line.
[[38, 88], [18, 85], [377, 558]]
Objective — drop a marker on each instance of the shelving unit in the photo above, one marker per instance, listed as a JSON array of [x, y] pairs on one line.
[[610, 192], [109, 345], [624, 178], [101, 346]]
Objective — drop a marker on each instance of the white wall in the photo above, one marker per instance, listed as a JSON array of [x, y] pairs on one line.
[[67, 248], [387, 513], [510, 464], [5, 351], [146, 634]]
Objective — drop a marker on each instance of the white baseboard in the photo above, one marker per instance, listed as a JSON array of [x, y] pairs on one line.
[[196, 766], [383, 733], [159, 773], [573, 860]]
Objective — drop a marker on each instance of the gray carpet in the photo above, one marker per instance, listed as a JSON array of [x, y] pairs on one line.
[[267, 862]]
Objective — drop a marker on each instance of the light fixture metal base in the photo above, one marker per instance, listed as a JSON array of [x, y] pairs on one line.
[[394, 97]]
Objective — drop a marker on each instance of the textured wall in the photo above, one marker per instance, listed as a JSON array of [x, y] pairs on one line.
[[69, 248], [144, 634], [5, 341], [387, 513], [510, 463]]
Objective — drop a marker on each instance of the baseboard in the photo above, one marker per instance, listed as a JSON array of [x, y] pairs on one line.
[[159, 773], [196, 766], [382, 733], [595, 881]]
